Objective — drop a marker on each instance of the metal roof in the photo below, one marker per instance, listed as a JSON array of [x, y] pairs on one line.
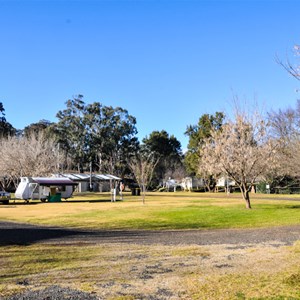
[[70, 176], [102, 177], [77, 177], [113, 177]]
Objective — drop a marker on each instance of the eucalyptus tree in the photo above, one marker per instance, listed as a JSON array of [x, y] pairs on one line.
[[165, 148], [96, 135], [71, 131], [6, 128], [197, 135], [36, 128], [112, 137]]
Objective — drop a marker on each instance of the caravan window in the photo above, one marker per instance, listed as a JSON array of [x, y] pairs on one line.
[[62, 188]]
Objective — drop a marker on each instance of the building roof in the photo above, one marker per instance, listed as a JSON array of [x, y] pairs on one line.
[[85, 177]]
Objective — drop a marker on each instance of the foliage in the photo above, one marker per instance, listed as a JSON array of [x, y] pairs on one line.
[[36, 128], [111, 137], [71, 131], [96, 134], [197, 135], [167, 149], [6, 128]]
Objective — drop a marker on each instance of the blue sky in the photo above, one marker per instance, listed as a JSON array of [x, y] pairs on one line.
[[166, 62]]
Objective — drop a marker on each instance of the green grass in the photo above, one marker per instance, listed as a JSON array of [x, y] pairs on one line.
[[161, 211], [259, 272]]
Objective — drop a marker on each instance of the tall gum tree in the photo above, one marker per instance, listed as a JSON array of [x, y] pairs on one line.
[[242, 151], [167, 149], [6, 129], [197, 134]]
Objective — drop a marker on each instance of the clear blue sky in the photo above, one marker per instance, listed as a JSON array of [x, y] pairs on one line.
[[166, 62]]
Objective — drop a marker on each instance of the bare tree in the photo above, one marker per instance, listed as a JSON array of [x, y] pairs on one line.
[[142, 166], [291, 68], [285, 127], [241, 151], [34, 155]]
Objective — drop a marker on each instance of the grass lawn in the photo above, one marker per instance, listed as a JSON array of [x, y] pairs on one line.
[[161, 211], [128, 271]]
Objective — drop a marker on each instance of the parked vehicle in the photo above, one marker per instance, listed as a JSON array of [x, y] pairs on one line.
[[45, 188], [4, 197]]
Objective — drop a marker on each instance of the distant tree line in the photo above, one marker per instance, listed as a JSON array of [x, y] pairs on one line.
[[86, 137], [247, 148]]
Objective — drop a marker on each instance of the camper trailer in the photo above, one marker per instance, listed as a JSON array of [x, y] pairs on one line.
[[45, 188]]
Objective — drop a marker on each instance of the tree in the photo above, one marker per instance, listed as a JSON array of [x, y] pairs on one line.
[[6, 128], [142, 167], [112, 137], [36, 128], [96, 134], [292, 68], [197, 134], [242, 151], [71, 132], [285, 127], [165, 148], [35, 155]]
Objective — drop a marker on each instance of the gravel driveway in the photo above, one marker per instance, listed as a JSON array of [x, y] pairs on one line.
[[25, 234]]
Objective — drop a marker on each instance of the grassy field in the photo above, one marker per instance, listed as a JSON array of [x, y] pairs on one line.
[[161, 211], [128, 271]]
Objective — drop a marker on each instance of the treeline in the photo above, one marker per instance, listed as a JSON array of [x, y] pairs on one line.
[[86, 137], [249, 148]]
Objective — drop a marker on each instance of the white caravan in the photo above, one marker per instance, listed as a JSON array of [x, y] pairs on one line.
[[45, 188]]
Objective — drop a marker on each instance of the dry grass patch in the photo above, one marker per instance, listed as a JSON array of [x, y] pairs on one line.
[[124, 271]]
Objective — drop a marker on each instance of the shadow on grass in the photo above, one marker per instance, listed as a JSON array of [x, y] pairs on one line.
[[13, 204], [25, 234]]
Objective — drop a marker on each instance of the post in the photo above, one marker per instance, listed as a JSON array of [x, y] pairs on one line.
[[91, 186]]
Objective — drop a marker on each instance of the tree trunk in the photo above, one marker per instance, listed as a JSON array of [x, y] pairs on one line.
[[246, 196], [143, 193], [208, 187]]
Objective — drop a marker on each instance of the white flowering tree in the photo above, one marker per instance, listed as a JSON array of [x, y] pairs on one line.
[[241, 151]]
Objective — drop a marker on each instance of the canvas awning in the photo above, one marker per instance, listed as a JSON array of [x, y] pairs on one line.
[[53, 181]]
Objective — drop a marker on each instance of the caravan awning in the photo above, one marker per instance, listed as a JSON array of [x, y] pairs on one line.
[[48, 181]]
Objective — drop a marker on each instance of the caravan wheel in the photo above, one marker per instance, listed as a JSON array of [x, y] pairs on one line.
[[43, 200]]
